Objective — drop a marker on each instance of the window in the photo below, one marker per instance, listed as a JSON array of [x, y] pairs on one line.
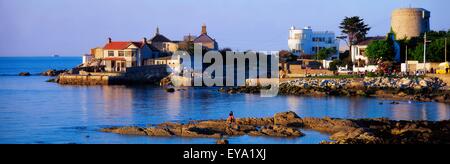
[[127, 53], [133, 53], [110, 53], [121, 53]]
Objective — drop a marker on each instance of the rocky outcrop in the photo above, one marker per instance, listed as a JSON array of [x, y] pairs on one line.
[[287, 124], [277, 131], [288, 119], [24, 74], [219, 128], [125, 130], [53, 72]]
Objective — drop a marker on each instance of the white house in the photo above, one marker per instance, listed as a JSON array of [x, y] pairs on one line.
[[308, 42], [359, 58], [119, 55]]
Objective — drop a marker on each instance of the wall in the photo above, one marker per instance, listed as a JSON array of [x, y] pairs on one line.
[[141, 75], [83, 80]]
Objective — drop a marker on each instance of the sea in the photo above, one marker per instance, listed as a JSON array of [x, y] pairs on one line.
[[33, 111]]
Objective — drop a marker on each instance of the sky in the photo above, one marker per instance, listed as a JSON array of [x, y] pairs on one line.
[[72, 27]]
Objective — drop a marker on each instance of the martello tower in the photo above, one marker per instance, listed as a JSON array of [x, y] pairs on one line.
[[410, 22]]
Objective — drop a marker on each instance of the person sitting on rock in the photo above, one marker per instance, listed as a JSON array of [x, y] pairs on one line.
[[231, 120]]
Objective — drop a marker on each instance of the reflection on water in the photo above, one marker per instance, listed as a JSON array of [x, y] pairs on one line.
[[34, 111]]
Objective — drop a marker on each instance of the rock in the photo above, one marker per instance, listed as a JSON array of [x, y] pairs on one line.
[[356, 85], [52, 80], [348, 133], [255, 121], [125, 130], [222, 142], [280, 131], [24, 74], [423, 83], [361, 93], [402, 94], [170, 90], [288, 119], [52, 72], [158, 132], [167, 81]]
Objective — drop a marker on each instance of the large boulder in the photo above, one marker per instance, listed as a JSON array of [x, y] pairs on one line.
[[405, 82], [423, 83], [288, 119]]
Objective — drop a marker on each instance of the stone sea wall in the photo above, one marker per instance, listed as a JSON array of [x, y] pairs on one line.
[[83, 80], [134, 75], [416, 89]]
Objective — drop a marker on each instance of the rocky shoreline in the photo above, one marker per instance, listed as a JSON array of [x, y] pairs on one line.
[[414, 89], [287, 124]]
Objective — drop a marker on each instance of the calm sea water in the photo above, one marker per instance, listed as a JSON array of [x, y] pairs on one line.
[[34, 111]]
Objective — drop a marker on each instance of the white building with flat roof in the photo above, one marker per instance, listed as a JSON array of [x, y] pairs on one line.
[[306, 42]]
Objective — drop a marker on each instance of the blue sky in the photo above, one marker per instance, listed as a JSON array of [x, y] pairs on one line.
[[72, 27]]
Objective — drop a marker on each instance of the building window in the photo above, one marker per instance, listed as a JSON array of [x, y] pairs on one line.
[[133, 53], [127, 53], [121, 53], [110, 53]]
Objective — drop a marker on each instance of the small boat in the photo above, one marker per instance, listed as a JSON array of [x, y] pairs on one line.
[[55, 56]]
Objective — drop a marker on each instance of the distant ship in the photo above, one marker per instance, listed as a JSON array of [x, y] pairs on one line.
[[55, 56]]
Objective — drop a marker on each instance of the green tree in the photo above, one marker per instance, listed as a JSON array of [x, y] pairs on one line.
[[435, 51], [380, 50], [325, 53], [335, 63], [355, 28]]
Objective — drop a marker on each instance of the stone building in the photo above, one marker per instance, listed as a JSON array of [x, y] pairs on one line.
[[206, 40], [162, 43], [410, 22]]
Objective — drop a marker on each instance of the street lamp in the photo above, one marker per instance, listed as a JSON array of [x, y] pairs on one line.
[[425, 41], [445, 47]]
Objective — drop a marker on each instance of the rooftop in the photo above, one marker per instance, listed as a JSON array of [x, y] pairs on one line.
[[121, 45], [368, 40]]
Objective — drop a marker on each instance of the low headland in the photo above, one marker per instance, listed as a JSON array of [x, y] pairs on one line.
[[289, 124]]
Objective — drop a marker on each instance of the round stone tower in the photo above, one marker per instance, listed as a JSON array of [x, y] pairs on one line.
[[410, 22]]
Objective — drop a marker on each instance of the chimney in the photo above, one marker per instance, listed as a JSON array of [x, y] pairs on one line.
[[204, 29], [109, 40], [144, 40], [157, 30]]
